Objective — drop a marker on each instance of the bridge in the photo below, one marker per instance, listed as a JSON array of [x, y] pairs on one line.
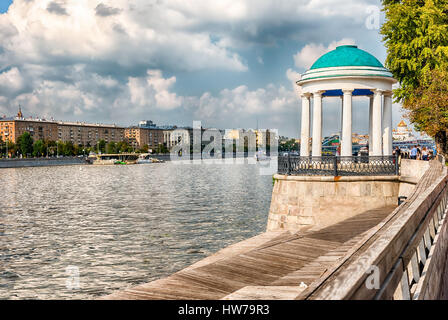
[[388, 252]]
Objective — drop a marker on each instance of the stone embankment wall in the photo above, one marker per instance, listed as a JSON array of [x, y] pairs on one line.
[[41, 162], [303, 202], [410, 173]]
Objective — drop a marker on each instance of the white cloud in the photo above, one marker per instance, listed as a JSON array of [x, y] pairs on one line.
[[43, 31], [117, 61], [10, 80], [294, 76], [243, 102], [154, 90], [311, 52]]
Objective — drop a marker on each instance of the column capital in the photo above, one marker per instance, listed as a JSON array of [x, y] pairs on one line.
[[387, 93], [348, 91], [319, 93], [378, 91], [306, 95]]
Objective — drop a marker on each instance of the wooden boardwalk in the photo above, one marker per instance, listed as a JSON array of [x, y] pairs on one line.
[[273, 265]]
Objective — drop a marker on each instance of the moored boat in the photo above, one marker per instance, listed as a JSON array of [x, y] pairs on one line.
[[113, 159], [146, 158]]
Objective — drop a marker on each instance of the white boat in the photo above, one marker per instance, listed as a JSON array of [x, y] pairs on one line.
[[145, 158], [112, 159]]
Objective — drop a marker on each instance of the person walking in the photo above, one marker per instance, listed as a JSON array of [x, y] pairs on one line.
[[425, 154], [413, 153], [419, 152], [397, 151], [397, 154]]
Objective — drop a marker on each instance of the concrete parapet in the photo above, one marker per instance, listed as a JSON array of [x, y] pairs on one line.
[[302, 202], [41, 162]]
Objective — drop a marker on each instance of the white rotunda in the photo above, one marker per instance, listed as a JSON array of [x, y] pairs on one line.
[[346, 72]]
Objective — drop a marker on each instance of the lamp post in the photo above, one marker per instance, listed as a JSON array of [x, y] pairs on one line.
[[6, 135]]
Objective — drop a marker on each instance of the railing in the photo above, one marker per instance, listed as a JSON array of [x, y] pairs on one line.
[[338, 166], [404, 257], [420, 271]]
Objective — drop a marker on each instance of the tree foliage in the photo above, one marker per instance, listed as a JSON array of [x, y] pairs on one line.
[[416, 37], [25, 142], [428, 108], [111, 148], [290, 145], [39, 148]]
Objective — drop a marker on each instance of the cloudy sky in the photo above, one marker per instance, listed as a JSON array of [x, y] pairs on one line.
[[227, 63]]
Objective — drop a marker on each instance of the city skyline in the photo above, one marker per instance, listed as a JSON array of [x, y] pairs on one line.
[[228, 65]]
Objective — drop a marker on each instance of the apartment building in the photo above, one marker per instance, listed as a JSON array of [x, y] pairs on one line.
[[139, 137], [87, 134]]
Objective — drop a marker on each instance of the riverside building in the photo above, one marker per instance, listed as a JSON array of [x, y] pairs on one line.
[[81, 133]]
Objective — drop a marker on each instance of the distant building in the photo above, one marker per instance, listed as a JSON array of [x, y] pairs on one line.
[[232, 134], [360, 139], [185, 135], [86, 134], [147, 124], [262, 136], [138, 137], [402, 133]]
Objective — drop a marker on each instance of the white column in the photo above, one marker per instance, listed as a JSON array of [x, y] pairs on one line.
[[317, 124], [387, 124], [346, 149], [370, 125], [377, 149], [305, 128], [342, 120]]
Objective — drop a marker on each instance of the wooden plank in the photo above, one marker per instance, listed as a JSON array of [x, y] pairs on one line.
[[265, 293], [403, 291], [389, 286], [414, 269]]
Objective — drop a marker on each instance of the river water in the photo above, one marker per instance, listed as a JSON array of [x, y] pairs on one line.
[[80, 232]]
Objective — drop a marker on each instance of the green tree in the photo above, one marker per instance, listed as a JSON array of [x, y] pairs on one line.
[[51, 147], [25, 142], [428, 109], [38, 148], [124, 146], [416, 37], [161, 148], [290, 145], [59, 148], [12, 148], [69, 149], [144, 149], [80, 149], [111, 147], [101, 146]]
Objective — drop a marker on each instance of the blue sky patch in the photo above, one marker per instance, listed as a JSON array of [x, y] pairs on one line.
[[4, 5]]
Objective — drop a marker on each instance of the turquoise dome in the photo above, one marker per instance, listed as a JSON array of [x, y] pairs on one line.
[[347, 56]]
